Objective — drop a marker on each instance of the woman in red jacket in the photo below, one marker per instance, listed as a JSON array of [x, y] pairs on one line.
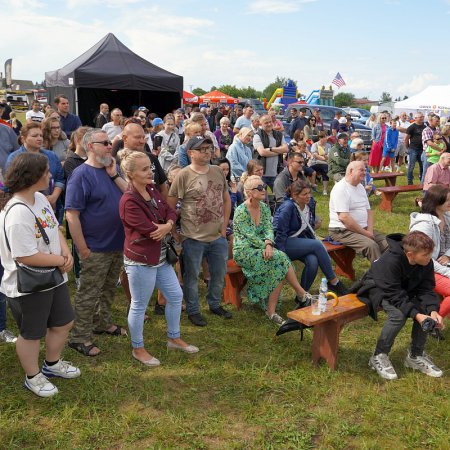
[[148, 220]]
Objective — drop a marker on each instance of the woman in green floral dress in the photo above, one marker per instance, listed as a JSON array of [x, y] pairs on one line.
[[264, 267]]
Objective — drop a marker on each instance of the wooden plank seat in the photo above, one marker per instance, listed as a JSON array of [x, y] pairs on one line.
[[388, 194], [235, 280], [328, 325], [390, 178]]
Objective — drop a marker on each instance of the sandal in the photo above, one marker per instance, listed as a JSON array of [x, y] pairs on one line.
[[83, 348], [116, 332]]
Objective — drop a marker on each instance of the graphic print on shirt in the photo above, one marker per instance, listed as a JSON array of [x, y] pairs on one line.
[[47, 220], [208, 202]]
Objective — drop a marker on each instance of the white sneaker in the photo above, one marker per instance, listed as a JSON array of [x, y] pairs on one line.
[[40, 386], [8, 337], [382, 364], [424, 364], [62, 369], [276, 318]]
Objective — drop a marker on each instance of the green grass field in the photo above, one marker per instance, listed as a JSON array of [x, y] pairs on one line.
[[244, 389]]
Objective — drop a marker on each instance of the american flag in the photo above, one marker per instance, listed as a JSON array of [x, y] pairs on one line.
[[338, 80]]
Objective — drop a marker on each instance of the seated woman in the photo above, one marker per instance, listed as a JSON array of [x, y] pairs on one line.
[[319, 159], [434, 221], [147, 220], [253, 248], [294, 222], [310, 130]]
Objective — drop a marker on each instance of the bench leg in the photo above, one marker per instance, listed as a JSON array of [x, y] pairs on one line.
[[234, 282], [344, 262], [387, 198], [326, 343]]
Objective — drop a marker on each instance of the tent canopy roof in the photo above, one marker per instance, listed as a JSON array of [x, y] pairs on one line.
[[433, 98], [217, 97], [109, 64]]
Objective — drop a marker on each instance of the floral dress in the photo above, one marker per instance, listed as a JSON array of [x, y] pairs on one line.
[[263, 276]]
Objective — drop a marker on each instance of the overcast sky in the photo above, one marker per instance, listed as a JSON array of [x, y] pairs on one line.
[[399, 46]]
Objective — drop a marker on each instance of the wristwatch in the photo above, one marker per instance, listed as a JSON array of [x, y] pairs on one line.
[[115, 176]]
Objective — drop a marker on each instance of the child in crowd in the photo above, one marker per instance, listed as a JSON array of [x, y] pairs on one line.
[[368, 180], [169, 144], [432, 154], [401, 281], [156, 128], [389, 148]]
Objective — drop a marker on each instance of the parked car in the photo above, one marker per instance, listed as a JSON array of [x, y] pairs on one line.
[[358, 114], [327, 114], [257, 106]]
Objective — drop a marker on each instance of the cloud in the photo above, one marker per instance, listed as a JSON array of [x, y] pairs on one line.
[[417, 84], [276, 6]]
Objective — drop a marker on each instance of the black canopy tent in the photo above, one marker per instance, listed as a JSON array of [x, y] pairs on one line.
[[110, 72]]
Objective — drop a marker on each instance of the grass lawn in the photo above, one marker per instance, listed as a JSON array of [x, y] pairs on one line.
[[244, 389]]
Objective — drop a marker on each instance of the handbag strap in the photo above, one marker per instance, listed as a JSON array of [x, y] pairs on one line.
[[306, 221], [41, 229]]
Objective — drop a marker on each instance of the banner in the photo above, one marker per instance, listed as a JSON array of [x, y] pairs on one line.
[[8, 65]]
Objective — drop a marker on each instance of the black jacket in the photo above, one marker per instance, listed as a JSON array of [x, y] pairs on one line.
[[391, 277]]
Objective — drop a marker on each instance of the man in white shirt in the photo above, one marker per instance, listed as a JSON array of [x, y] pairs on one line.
[[351, 219], [113, 128], [34, 115], [402, 124]]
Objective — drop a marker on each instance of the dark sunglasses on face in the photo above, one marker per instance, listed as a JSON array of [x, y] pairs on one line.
[[259, 188], [104, 143]]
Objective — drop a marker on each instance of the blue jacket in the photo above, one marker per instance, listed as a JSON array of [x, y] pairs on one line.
[[239, 155], [391, 139], [287, 221], [377, 131], [56, 169]]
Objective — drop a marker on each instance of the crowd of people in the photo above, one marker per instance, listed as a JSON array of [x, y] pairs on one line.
[[160, 203]]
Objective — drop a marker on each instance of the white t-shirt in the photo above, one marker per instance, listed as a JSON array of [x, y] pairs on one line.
[[345, 197], [112, 130], [243, 122], [25, 238], [401, 124], [35, 116]]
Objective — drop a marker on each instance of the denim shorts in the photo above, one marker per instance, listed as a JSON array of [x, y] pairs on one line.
[[36, 312]]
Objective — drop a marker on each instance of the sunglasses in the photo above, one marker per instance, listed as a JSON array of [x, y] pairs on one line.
[[260, 188], [104, 143]]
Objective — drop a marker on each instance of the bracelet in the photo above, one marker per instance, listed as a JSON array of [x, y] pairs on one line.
[[115, 177]]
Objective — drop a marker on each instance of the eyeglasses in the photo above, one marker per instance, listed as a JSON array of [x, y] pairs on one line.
[[210, 148], [104, 143], [259, 188]]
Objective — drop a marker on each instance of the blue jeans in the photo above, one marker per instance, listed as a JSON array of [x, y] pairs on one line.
[[313, 255], [142, 280], [425, 165], [216, 253], [415, 155]]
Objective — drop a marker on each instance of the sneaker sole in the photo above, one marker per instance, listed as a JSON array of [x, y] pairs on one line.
[[45, 395], [380, 375], [411, 366], [56, 375]]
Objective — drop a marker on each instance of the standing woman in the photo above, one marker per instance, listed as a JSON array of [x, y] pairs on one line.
[[253, 248], [378, 135], [224, 135], [47, 313], [31, 136], [15, 123], [371, 121], [55, 139], [147, 220]]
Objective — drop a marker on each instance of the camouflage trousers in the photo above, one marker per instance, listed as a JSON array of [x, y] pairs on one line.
[[95, 296]]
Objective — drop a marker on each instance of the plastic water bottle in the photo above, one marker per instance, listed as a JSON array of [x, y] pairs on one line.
[[323, 289]]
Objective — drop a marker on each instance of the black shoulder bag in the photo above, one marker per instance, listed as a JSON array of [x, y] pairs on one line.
[[32, 279]]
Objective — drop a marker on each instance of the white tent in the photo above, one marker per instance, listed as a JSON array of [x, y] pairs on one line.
[[433, 99]]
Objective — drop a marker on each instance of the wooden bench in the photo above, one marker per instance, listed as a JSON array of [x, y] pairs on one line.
[[389, 193], [235, 280], [328, 325], [390, 178]]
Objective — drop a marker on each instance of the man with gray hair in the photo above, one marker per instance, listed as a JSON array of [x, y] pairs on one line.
[[92, 211], [438, 173], [255, 122], [114, 127], [351, 219]]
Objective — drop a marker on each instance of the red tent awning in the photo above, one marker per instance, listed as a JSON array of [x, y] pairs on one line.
[[217, 97], [189, 98]]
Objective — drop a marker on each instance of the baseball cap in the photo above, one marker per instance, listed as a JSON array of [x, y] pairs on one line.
[[142, 108], [317, 109], [195, 142], [180, 110], [157, 121]]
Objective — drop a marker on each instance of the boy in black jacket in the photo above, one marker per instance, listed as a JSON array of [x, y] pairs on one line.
[[401, 281]]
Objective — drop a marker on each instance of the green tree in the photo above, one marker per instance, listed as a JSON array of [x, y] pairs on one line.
[[385, 97], [278, 83], [198, 91], [344, 99], [229, 90]]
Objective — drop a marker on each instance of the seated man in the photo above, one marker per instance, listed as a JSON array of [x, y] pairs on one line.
[[338, 158], [402, 283], [438, 173], [351, 219]]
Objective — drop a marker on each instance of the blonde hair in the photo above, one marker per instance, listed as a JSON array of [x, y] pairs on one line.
[[248, 182], [13, 119], [243, 132], [191, 127], [128, 161]]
